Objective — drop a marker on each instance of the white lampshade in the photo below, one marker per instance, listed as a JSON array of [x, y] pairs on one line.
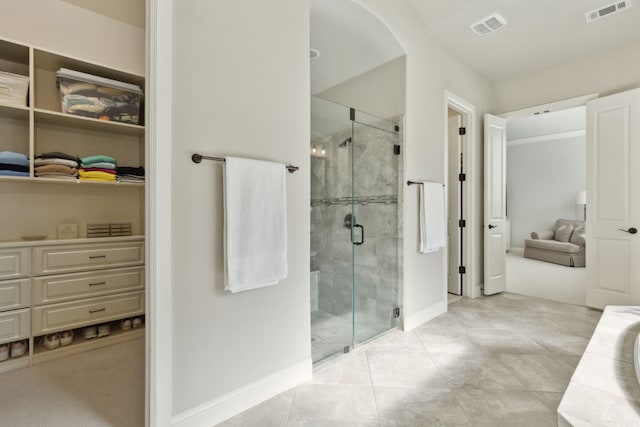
[[581, 198]]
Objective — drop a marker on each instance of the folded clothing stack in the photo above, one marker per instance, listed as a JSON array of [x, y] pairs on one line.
[[130, 174], [13, 164], [56, 165], [98, 168]]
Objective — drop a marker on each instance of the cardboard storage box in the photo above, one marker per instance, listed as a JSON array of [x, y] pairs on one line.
[[13, 89], [98, 97]]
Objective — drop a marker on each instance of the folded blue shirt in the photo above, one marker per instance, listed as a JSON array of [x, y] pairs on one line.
[[11, 158], [13, 173]]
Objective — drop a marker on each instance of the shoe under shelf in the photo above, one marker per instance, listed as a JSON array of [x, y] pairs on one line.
[[81, 344]]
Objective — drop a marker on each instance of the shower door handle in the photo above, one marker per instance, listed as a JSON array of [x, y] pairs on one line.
[[361, 234]]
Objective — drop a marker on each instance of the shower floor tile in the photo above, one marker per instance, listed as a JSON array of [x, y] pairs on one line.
[[330, 334]]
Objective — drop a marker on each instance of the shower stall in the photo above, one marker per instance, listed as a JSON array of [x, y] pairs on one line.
[[355, 238]]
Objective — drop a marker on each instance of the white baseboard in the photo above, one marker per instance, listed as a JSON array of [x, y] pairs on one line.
[[414, 320], [477, 290], [231, 404]]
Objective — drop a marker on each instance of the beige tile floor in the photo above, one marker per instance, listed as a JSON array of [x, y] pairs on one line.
[[503, 360]]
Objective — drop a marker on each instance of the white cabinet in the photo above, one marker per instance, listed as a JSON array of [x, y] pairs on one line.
[[75, 314], [66, 286], [15, 294], [70, 258], [14, 325], [14, 263]]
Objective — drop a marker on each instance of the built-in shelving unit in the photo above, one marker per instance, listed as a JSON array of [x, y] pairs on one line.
[[53, 286], [41, 126], [35, 205]]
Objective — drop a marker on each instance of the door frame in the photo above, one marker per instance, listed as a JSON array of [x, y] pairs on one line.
[[538, 109], [454, 206], [158, 202], [468, 113]]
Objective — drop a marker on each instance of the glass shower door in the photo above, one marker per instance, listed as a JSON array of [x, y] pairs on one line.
[[354, 227], [375, 162], [331, 253]]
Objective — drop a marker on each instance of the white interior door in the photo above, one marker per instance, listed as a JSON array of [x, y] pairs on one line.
[[454, 144], [495, 140], [613, 200]]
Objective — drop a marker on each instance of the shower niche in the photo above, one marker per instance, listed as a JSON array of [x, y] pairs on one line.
[[355, 238]]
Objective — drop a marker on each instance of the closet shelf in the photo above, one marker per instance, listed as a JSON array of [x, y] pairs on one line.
[[81, 344], [30, 180], [11, 364], [87, 123], [14, 112]]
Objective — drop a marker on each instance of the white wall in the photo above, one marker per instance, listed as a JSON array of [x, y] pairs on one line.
[[386, 101], [71, 30], [430, 70], [236, 93], [603, 72], [542, 181], [240, 87]]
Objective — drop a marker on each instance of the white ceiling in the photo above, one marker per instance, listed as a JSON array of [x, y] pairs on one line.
[[539, 34], [351, 41], [567, 121]]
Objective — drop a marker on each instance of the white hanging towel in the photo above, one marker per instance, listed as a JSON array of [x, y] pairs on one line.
[[255, 223], [432, 224]]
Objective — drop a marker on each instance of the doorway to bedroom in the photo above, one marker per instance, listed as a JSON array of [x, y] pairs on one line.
[[546, 205]]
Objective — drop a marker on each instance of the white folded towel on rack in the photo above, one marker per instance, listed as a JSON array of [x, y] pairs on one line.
[[255, 223], [433, 231]]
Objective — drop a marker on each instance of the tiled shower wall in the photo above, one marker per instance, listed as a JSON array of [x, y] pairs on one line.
[[376, 261]]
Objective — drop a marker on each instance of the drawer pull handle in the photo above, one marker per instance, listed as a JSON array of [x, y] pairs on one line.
[[97, 256], [97, 311], [97, 283]]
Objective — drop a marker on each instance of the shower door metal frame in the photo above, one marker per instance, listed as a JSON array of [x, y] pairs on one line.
[[395, 310]]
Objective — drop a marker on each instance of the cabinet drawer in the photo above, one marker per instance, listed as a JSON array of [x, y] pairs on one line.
[[65, 287], [14, 325], [75, 314], [14, 263], [70, 258], [14, 294]]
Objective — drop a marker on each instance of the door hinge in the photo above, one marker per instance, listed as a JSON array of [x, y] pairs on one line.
[[462, 223], [396, 312], [462, 177], [462, 131], [462, 269], [396, 128], [396, 149]]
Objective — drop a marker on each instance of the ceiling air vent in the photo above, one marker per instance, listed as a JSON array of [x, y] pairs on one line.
[[618, 6], [489, 24]]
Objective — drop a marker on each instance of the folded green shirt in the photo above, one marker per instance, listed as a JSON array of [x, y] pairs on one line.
[[97, 159]]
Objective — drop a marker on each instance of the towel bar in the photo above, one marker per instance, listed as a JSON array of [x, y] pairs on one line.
[[416, 183], [197, 158]]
